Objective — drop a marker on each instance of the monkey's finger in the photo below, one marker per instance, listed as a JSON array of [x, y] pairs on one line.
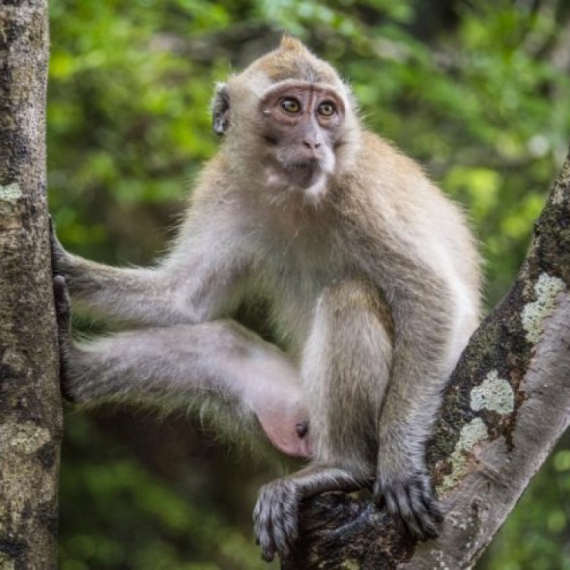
[[264, 525], [431, 516], [423, 490], [435, 512], [262, 538], [431, 504], [62, 304], [427, 524], [389, 500], [279, 499], [291, 523], [419, 508], [265, 542], [285, 526], [405, 510], [430, 527], [280, 534]]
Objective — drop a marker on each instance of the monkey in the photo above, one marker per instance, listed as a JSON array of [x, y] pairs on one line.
[[372, 279]]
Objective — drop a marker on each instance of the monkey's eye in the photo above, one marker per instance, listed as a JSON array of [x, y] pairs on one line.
[[291, 105], [326, 109]]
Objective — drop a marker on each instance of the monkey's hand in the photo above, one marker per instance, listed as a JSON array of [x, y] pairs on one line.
[[276, 517], [408, 495]]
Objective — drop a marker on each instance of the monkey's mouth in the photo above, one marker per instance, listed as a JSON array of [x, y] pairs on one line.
[[304, 164], [297, 172], [303, 172]]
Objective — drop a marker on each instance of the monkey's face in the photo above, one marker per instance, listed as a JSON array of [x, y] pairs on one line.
[[300, 126]]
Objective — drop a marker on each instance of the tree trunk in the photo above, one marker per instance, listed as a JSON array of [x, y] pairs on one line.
[[30, 412], [505, 407]]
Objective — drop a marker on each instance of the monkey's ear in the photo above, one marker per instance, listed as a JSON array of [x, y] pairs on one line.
[[221, 109]]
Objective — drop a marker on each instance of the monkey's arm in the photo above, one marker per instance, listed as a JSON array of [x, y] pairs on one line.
[[420, 367], [219, 369], [194, 283]]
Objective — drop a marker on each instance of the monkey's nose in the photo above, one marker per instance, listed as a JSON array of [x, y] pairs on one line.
[[312, 145]]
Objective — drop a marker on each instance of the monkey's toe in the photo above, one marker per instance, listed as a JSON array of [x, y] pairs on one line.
[[63, 315], [276, 519], [62, 303]]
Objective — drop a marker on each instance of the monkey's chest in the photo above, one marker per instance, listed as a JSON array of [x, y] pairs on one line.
[[293, 281]]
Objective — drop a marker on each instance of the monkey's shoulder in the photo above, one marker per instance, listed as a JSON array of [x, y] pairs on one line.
[[388, 188], [213, 182]]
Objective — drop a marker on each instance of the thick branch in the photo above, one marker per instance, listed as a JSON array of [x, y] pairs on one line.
[[504, 409], [30, 415]]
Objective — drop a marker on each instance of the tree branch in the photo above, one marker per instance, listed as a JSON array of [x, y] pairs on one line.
[[505, 407], [30, 414]]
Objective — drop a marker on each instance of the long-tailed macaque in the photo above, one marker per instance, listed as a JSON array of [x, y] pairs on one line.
[[371, 274]]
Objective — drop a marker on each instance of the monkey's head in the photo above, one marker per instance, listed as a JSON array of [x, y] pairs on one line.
[[290, 117]]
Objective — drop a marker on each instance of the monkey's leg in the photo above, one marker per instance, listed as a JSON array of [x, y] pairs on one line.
[[218, 368], [346, 367]]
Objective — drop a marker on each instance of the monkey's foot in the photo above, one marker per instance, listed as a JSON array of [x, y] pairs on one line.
[[276, 518], [63, 315], [412, 500]]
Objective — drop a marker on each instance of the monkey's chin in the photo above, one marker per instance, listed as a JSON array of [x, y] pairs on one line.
[[318, 189], [307, 180]]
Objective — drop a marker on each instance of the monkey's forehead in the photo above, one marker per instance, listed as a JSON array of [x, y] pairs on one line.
[[258, 80], [291, 60], [280, 65], [308, 69]]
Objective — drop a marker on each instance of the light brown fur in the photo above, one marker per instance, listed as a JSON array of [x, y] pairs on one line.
[[371, 274]]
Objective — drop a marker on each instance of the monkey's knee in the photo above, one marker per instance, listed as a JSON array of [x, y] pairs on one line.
[[82, 379]]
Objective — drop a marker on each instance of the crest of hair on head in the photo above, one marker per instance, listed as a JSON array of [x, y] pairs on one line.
[[291, 43]]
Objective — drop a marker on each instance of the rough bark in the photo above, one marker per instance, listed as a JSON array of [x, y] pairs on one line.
[[506, 405], [30, 414]]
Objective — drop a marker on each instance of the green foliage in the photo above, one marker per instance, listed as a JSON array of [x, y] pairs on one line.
[[117, 514], [478, 92]]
